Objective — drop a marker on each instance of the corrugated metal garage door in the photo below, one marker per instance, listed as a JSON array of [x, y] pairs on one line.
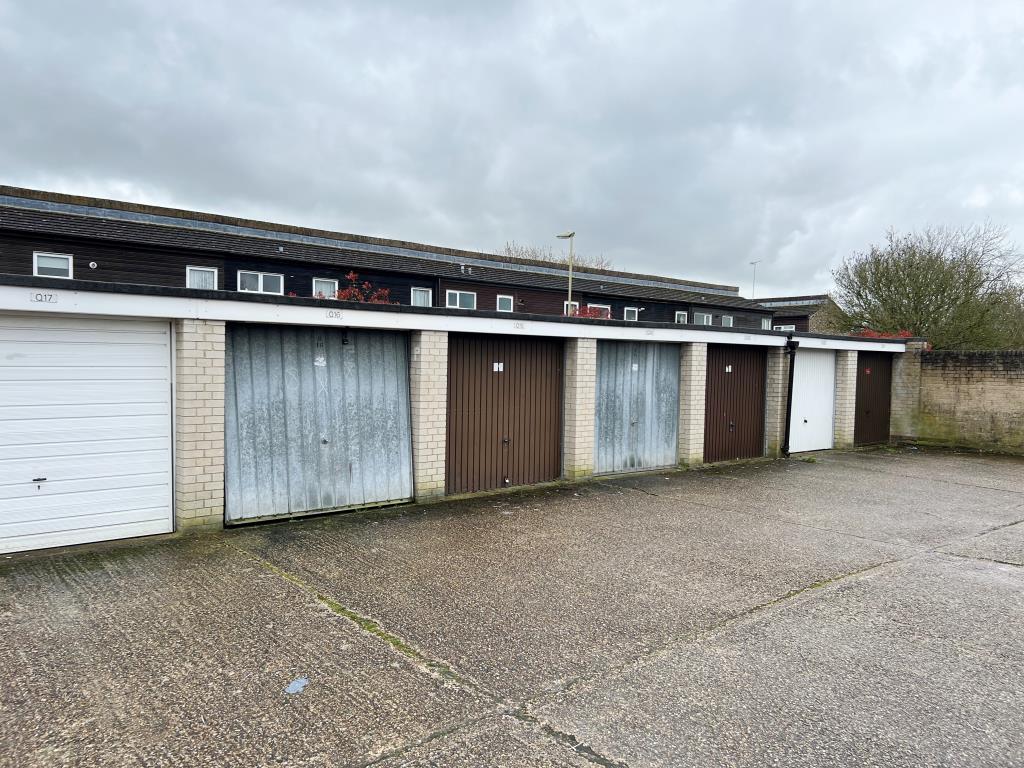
[[85, 430], [814, 395], [734, 406], [637, 420], [504, 411], [316, 419], [874, 392]]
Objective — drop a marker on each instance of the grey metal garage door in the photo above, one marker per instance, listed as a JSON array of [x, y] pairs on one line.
[[315, 419], [637, 420]]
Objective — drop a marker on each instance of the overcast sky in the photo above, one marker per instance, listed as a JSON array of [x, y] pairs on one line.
[[678, 138]]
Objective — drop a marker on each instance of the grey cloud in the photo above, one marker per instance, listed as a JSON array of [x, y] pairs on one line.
[[684, 139]]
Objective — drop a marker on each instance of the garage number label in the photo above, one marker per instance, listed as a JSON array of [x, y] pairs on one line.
[[41, 297]]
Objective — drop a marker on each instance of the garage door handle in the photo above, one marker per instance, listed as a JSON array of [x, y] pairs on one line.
[[38, 479], [505, 441], [732, 426], [324, 440]]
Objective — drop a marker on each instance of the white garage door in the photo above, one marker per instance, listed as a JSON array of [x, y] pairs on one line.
[[814, 387], [85, 430]]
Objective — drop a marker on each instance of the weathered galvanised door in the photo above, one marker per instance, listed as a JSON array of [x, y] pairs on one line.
[[636, 425], [315, 419]]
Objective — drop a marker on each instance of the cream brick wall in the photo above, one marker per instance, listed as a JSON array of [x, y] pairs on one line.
[[906, 390], [428, 393], [199, 424], [580, 404], [693, 376], [776, 392], [846, 398]]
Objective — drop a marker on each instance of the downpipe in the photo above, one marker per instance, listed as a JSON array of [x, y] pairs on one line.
[[791, 347]]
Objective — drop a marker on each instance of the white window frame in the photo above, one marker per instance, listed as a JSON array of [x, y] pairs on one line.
[[511, 300], [634, 310], [448, 299], [567, 309], [333, 294], [606, 307], [71, 264], [683, 315], [429, 292], [697, 318], [240, 289], [790, 328], [190, 269], [766, 323], [727, 324]]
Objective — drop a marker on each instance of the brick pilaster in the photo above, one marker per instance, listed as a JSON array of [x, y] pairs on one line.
[[846, 398], [428, 393], [906, 391], [693, 376], [579, 408], [776, 392], [199, 424]]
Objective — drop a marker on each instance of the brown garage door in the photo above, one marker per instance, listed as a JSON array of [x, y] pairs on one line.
[[874, 388], [504, 412], [734, 404]]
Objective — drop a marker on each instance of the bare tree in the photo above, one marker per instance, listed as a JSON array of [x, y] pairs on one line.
[[954, 286], [516, 250]]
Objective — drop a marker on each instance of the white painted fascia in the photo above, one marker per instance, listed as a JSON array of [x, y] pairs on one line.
[[24, 299]]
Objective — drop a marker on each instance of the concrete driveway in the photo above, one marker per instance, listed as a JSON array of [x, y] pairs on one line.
[[860, 609]]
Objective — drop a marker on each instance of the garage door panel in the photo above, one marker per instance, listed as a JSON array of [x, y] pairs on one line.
[[123, 393], [89, 530], [637, 415], [88, 503], [101, 466], [504, 411], [315, 419], [734, 411], [107, 373], [98, 431], [95, 447], [813, 405], [23, 432]]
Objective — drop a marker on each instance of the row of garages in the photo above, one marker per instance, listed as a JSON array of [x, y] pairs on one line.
[[318, 418]]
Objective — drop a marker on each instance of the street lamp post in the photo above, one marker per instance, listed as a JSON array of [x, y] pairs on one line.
[[753, 284], [570, 236]]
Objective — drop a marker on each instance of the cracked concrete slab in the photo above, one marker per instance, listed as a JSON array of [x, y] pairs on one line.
[[913, 664], [180, 653], [849, 493], [530, 591], [1004, 545], [632, 621], [497, 742]]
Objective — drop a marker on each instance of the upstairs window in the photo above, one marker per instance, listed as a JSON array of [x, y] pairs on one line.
[[702, 318], [631, 314], [422, 297], [570, 308], [681, 317], [604, 309], [506, 303], [460, 299], [766, 323], [785, 327], [727, 321], [52, 265], [204, 278], [260, 282], [325, 288]]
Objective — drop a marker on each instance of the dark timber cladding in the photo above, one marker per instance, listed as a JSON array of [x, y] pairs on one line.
[[504, 411], [874, 390], [734, 407]]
